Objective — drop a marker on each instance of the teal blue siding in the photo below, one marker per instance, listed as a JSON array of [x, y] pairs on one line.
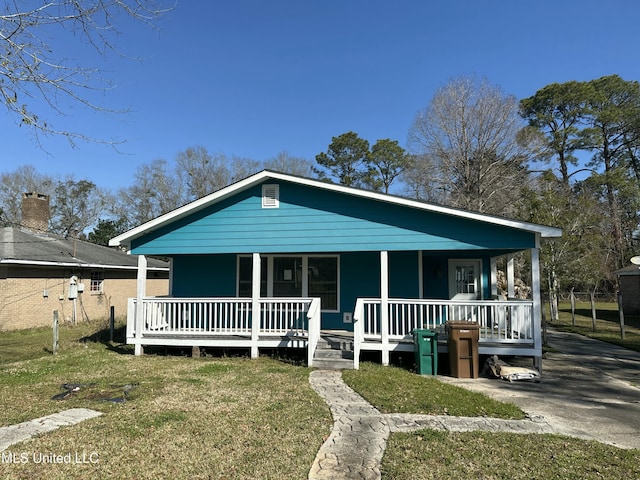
[[403, 275], [435, 283], [310, 219], [359, 277], [204, 276]]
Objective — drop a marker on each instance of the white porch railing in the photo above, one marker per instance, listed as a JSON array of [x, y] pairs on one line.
[[500, 321], [211, 316]]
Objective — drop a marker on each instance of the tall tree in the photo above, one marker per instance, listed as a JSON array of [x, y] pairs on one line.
[[576, 259], [344, 160], [612, 133], [469, 131], [76, 206], [558, 112], [34, 65], [386, 162]]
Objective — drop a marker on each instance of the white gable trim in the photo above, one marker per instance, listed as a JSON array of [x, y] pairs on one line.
[[126, 238]]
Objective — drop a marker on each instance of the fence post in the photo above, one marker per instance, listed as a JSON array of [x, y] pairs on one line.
[[573, 308], [112, 319], [621, 314], [594, 315], [55, 332]]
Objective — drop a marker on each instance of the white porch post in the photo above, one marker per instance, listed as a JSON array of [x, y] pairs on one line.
[[255, 304], [141, 292], [384, 305], [420, 275], [537, 302], [511, 284], [494, 277]]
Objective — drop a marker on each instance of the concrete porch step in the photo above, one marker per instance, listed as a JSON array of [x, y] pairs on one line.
[[333, 363], [333, 353]]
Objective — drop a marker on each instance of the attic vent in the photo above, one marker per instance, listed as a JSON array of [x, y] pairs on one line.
[[270, 196]]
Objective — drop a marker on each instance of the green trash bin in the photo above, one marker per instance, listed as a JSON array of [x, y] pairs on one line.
[[426, 349]]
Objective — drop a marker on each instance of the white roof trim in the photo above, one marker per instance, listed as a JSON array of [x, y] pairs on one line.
[[41, 263], [126, 238]]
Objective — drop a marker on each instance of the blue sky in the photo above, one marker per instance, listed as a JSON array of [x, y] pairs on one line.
[[252, 78]]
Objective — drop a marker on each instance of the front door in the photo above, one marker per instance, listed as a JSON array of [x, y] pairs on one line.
[[465, 279]]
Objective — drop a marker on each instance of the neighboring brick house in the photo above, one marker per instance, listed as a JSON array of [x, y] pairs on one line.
[[41, 272], [629, 280]]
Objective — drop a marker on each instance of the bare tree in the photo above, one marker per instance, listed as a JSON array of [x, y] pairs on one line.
[[34, 69], [156, 190], [286, 163], [469, 131], [201, 172], [13, 185], [242, 167]]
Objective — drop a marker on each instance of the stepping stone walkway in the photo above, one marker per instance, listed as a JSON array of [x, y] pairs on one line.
[[360, 432], [23, 431]]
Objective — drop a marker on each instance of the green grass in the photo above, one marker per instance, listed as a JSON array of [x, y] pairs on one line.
[[430, 454], [236, 418], [185, 418], [607, 323], [395, 390]]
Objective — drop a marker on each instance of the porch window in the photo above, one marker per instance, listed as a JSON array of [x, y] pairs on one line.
[[323, 281], [282, 276], [244, 277]]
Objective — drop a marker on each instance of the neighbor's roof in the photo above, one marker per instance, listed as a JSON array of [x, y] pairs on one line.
[[19, 247], [204, 202], [630, 270]]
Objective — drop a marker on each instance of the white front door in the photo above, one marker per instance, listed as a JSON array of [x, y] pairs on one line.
[[465, 279]]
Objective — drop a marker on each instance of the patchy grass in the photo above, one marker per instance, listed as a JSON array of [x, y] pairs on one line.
[[238, 418], [19, 345], [185, 417], [430, 454], [607, 323], [395, 390]]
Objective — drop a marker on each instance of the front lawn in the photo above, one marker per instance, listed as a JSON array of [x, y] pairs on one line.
[[237, 418], [232, 418], [433, 455]]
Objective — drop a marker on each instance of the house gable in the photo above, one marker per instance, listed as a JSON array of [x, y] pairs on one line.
[[309, 218]]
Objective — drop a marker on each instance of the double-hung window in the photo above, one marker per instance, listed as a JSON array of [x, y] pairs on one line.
[[97, 281]]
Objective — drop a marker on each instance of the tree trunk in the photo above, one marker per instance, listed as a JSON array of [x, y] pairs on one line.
[[573, 308]]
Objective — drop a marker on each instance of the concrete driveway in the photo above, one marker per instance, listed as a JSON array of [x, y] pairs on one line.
[[589, 389]]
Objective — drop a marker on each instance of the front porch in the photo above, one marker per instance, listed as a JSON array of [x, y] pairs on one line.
[[384, 325]]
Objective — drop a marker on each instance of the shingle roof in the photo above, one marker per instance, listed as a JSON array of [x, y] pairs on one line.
[[630, 270], [21, 247]]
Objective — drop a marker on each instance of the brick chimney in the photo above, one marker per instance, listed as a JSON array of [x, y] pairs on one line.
[[35, 212]]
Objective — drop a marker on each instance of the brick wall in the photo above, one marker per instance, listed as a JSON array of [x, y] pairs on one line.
[[28, 296], [630, 290]]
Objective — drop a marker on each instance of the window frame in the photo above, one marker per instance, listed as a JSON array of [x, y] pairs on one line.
[[99, 282], [478, 278], [305, 266]]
